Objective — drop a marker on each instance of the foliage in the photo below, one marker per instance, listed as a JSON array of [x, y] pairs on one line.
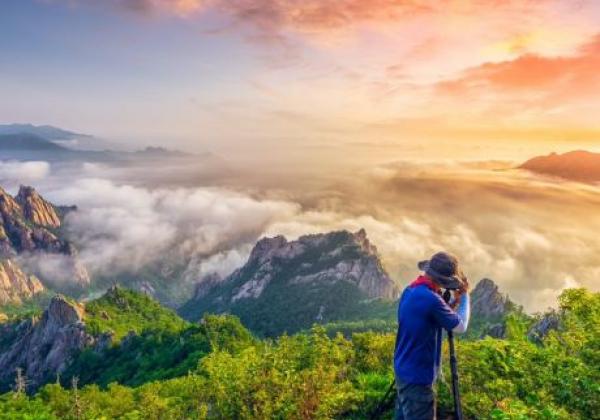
[[159, 354], [121, 311], [289, 308], [312, 375]]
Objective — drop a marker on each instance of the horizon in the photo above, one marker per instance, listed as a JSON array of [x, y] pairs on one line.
[[301, 79]]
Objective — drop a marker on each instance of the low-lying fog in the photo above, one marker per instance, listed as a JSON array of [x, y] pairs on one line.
[[534, 236]]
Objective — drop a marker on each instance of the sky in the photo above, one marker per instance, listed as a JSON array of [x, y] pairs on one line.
[[382, 78], [403, 117]]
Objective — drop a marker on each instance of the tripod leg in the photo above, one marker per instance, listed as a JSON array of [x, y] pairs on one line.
[[454, 369]]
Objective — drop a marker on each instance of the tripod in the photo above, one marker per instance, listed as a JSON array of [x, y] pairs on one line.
[[453, 367]]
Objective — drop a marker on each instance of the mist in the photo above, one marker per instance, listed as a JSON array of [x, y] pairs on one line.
[[534, 236]]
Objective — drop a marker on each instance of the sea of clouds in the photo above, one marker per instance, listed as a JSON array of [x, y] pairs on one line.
[[533, 236]]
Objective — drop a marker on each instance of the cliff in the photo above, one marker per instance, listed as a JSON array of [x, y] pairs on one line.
[[29, 226], [15, 285], [43, 347]]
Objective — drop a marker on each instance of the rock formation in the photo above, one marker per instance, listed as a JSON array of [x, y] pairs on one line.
[[487, 301], [540, 329], [44, 346], [322, 258], [15, 285], [28, 228], [36, 209]]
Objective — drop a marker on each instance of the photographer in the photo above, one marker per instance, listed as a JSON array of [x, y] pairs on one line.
[[422, 315]]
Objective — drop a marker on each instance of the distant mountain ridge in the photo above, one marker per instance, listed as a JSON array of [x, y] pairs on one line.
[[30, 142], [45, 131], [577, 165]]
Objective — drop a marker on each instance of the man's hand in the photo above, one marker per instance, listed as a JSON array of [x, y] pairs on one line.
[[464, 285], [464, 288]]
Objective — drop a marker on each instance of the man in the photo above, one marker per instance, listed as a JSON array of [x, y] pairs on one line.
[[422, 315]]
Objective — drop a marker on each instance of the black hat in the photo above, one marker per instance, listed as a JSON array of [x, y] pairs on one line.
[[443, 268]]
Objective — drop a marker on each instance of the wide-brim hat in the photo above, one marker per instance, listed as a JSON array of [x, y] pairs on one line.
[[444, 269]]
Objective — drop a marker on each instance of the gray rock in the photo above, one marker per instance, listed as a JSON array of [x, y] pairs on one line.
[[321, 258], [44, 346], [540, 329], [487, 301]]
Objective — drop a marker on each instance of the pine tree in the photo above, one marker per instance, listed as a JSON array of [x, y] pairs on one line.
[[77, 409], [20, 383]]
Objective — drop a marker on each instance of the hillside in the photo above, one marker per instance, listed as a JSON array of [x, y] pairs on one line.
[[122, 336], [289, 285], [312, 376], [576, 166]]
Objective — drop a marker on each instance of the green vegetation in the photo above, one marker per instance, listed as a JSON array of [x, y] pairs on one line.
[[29, 307], [310, 375], [290, 308], [158, 354], [122, 310]]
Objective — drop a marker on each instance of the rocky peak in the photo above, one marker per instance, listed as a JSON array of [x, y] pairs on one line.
[[15, 285], [323, 258], [26, 228], [487, 301], [62, 312], [44, 346], [36, 209], [361, 238], [8, 206], [266, 247]]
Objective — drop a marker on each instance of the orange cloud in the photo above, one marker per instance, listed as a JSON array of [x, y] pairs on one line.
[[552, 77]]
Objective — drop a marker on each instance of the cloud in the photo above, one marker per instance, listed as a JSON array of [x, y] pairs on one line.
[[534, 78], [179, 7], [532, 236], [124, 228], [13, 173]]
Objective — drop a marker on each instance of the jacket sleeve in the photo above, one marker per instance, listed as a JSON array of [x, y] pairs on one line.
[[442, 314]]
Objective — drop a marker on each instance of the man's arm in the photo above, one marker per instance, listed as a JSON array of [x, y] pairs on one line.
[[464, 313]]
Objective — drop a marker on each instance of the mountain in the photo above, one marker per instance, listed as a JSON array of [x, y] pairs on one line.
[[65, 138], [151, 152], [28, 142], [15, 285], [29, 226], [576, 166], [47, 132], [289, 285]]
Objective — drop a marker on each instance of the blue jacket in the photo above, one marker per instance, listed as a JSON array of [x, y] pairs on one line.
[[422, 314]]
